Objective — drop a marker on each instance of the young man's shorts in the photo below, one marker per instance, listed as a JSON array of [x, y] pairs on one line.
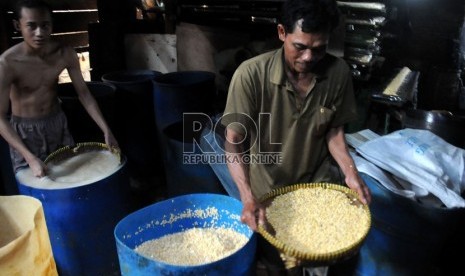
[[41, 136]]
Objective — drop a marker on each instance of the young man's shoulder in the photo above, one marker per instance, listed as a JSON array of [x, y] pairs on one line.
[[17, 51], [9, 59], [62, 49], [12, 52]]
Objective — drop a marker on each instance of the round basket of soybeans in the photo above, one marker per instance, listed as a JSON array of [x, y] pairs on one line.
[[320, 223], [193, 234]]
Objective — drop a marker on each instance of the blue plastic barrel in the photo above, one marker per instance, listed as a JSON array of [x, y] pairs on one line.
[[81, 125], [81, 221], [182, 91], [136, 129], [184, 174], [406, 238], [7, 177], [144, 225]]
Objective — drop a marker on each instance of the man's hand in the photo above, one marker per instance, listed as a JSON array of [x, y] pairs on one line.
[[338, 148], [253, 214], [38, 168], [356, 183], [111, 142]]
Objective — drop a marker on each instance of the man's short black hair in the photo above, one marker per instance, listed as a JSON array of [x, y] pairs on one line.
[[318, 15], [31, 4]]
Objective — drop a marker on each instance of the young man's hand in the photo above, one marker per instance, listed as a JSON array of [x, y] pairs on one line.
[[38, 167]]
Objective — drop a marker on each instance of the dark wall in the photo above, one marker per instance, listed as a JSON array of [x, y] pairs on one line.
[[70, 24], [106, 38], [434, 45]]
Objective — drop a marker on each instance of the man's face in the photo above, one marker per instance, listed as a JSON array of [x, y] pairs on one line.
[[35, 26], [303, 50]]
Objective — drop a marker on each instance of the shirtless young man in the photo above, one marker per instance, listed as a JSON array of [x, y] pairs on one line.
[[28, 79]]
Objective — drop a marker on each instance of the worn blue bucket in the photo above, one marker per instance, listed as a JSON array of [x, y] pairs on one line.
[[183, 91], [81, 220], [406, 238], [145, 225]]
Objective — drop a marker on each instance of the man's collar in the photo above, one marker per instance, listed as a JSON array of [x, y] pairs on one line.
[[278, 75]]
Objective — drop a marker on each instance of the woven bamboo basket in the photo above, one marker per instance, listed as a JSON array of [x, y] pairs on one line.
[[68, 151], [322, 258]]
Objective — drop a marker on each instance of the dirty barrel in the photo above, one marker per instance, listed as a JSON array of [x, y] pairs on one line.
[[83, 197], [82, 127], [136, 131], [184, 91], [178, 214], [407, 238], [186, 171], [7, 180]]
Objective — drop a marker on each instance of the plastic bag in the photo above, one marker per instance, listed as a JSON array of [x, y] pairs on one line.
[[423, 159], [25, 247]]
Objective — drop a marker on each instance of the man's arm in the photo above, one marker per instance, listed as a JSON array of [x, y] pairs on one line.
[[6, 131], [252, 210], [338, 148], [86, 98]]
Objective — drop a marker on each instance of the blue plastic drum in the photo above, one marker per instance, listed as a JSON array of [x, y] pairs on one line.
[[184, 91], [144, 225], [186, 178], [136, 129], [81, 221], [407, 238]]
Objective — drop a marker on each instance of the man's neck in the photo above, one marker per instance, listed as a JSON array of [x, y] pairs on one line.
[[37, 52], [300, 81]]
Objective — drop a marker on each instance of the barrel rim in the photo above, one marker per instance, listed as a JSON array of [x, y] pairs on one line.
[[406, 201], [180, 197], [151, 74], [65, 149], [90, 84], [118, 232], [207, 76], [117, 171]]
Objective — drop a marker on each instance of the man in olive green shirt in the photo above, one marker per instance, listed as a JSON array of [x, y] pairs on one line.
[[284, 119], [292, 103], [291, 127]]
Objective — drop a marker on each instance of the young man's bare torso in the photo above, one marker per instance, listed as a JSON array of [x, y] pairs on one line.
[[29, 74], [34, 79]]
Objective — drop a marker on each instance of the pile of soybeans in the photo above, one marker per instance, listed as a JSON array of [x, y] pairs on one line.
[[194, 246], [317, 220]]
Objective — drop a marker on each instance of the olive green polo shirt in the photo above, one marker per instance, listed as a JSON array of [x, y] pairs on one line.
[[288, 133]]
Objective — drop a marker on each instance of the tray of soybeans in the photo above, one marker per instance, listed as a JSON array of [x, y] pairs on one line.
[[316, 222]]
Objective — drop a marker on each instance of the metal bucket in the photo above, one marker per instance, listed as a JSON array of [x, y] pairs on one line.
[[183, 91], [136, 131], [81, 220], [142, 226], [406, 238], [81, 125]]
